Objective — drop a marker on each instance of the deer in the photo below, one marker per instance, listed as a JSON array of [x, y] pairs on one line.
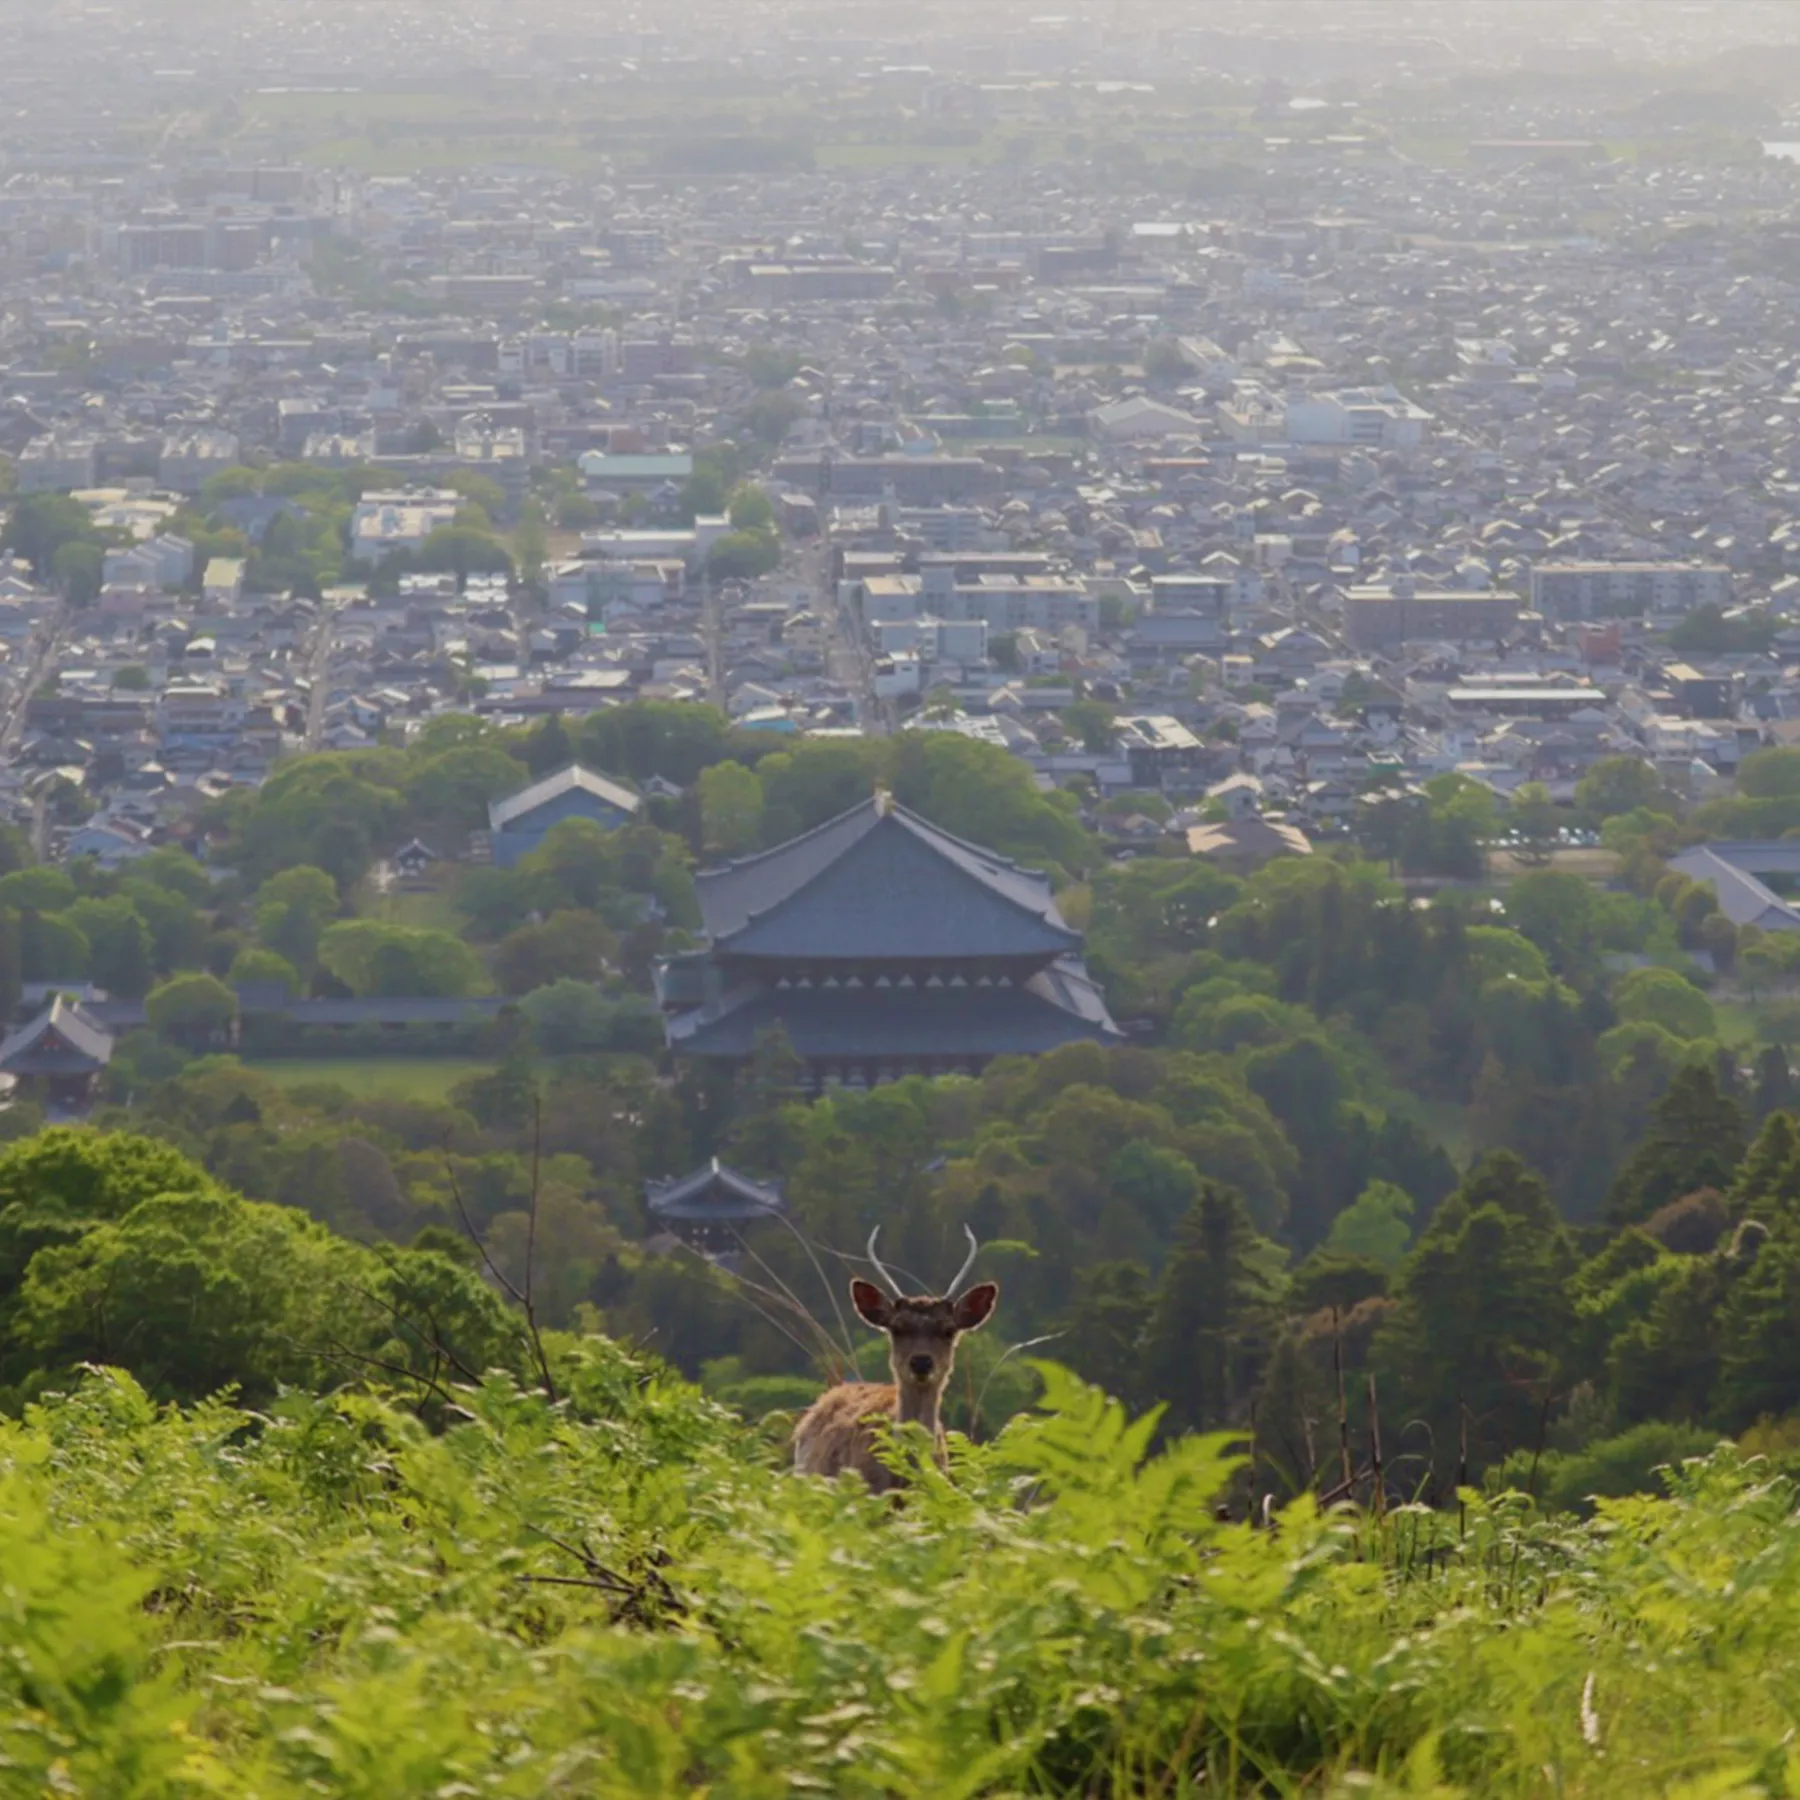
[[840, 1429]]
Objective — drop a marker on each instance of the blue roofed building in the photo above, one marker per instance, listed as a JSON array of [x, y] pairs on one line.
[[883, 947], [1739, 873], [518, 824]]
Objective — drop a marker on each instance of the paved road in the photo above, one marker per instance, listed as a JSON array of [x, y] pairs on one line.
[[849, 657], [318, 671], [41, 650]]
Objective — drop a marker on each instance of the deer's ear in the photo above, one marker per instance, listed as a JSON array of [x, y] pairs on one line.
[[872, 1305], [973, 1308]]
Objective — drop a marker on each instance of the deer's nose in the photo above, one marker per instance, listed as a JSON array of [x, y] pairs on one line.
[[921, 1368]]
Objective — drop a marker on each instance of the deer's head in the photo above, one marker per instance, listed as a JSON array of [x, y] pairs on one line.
[[922, 1329]]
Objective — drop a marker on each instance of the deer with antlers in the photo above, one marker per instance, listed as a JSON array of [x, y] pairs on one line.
[[839, 1430]]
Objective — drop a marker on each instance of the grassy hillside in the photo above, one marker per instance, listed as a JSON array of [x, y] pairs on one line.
[[626, 1594]]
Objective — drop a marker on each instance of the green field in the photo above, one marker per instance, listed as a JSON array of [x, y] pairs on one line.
[[400, 1077]]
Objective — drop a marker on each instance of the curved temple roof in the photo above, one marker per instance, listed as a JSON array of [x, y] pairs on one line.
[[880, 882]]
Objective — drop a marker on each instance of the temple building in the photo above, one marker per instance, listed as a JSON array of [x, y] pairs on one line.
[[710, 1209], [519, 824], [58, 1057], [883, 947]]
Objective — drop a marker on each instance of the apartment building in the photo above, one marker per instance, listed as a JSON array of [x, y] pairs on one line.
[[1589, 590]]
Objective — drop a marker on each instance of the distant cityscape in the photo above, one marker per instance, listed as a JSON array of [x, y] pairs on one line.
[[1240, 419]]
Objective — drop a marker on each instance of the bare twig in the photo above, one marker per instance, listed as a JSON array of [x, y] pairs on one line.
[[1337, 1369], [537, 1151], [831, 1292], [794, 1300], [631, 1594], [852, 1261], [1002, 1359], [1462, 1466], [1380, 1493], [337, 1352], [434, 1343], [531, 1324], [1538, 1449], [1255, 1453], [462, 1212], [751, 1290], [500, 1276]]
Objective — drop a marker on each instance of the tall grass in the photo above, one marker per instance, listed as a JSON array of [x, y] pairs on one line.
[[626, 1594]]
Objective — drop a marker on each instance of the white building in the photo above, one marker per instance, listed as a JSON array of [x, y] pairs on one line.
[[1376, 418], [402, 520], [1140, 420], [55, 464], [190, 458], [164, 561], [1587, 590]]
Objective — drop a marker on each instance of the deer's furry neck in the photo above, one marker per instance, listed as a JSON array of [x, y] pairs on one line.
[[916, 1405]]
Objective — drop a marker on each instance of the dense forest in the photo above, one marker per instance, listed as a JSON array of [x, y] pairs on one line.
[[1438, 1244]]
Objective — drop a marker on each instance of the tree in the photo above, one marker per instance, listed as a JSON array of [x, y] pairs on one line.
[[1480, 1316], [702, 494], [570, 945], [531, 542], [193, 1292], [1719, 939], [1090, 722], [37, 889], [1661, 997], [1696, 1140], [264, 968], [1164, 363], [1776, 1090], [1772, 774], [1157, 1184], [1107, 1324], [1214, 1314], [78, 569], [119, 942], [743, 555], [495, 901], [191, 1009], [769, 416], [178, 931], [656, 737], [39, 525], [751, 509], [372, 958], [573, 1018], [463, 550], [482, 493], [56, 1185], [575, 865], [731, 808], [292, 911], [51, 949], [1535, 820], [1617, 785], [1759, 1351], [330, 811], [1377, 1224], [769, 366], [448, 792], [547, 747]]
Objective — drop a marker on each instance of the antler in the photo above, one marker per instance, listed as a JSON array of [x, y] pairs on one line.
[[962, 1274], [894, 1287]]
